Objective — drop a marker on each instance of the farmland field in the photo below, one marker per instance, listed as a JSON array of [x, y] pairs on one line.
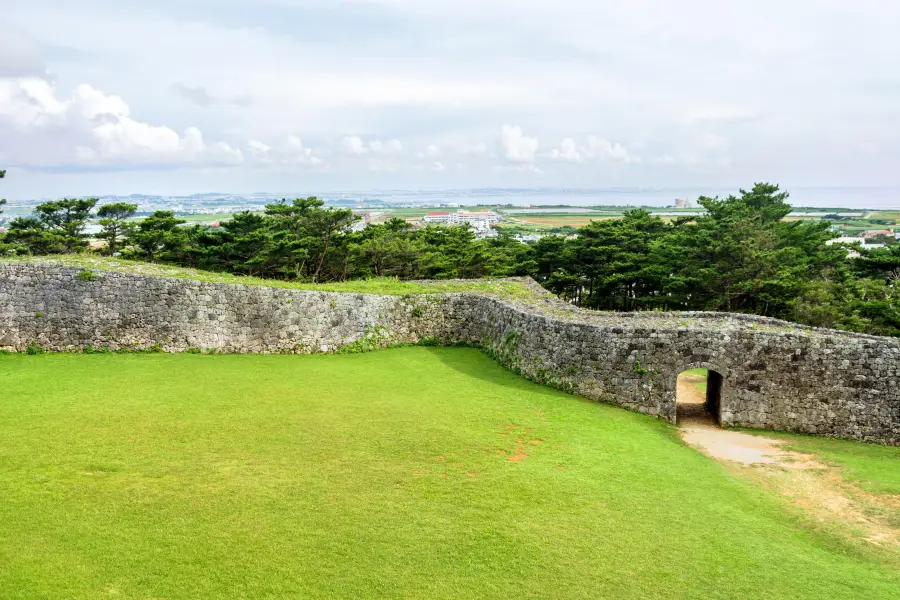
[[404, 473]]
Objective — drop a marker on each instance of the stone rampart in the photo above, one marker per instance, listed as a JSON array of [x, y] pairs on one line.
[[775, 375]]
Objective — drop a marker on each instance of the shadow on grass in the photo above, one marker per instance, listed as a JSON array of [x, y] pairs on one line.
[[474, 363]]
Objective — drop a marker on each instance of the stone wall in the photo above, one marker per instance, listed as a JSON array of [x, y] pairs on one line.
[[776, 375]]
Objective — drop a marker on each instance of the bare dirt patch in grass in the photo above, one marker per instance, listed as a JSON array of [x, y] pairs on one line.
[[832, 502]]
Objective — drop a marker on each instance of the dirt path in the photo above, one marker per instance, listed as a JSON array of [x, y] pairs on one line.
[[805, 482]]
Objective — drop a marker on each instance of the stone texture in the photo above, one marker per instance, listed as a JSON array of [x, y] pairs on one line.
[[776, 375]]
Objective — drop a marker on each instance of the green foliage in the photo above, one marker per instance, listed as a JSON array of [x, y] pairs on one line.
[[86, 275], [91, 350], [418, 312], [34, 349], [114, 223], [741, 256], [638, 369], [39, 315], [55, 228], [2, 200], [158, 237], [373, 337]]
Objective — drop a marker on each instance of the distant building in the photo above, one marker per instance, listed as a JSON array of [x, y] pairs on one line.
[[529, 237], [461, 216], [365, 217], [862, 241], [683, 203], [878, 232], [437, 218], [484, 231]]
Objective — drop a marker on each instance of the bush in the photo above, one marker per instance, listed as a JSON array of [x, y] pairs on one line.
[[86, 275]]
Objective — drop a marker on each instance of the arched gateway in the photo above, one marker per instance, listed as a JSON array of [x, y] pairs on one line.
[[698, 395], [774, 375]]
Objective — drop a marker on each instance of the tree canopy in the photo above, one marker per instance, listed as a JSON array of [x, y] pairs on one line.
[[742, 255]]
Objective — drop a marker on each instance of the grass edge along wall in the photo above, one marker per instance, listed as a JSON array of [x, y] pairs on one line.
[[776, 375]]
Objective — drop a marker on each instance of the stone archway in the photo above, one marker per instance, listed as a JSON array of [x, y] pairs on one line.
[[698, 394]]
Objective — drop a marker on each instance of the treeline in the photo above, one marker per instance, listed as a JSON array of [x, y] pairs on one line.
[[741, 256]]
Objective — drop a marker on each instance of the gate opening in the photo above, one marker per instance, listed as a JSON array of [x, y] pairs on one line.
[[698, 396]]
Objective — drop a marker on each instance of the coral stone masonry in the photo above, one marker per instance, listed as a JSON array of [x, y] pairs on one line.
[[775, 375]]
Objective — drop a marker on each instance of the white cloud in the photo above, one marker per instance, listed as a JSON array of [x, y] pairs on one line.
[[567, 151], [94, 127], [517, 147], [790, 98], [291, 151], [388, 147], [355, 145], [595, 149]]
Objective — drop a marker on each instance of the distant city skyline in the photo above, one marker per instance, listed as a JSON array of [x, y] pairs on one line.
[[118, 96]]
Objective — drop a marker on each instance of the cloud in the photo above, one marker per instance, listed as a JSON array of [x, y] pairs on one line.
[[567, 151], [291, 151], [595, 149], [92, 127], [354, 145], [197, 95], [732, 95], [517, 147], [202, 98], [388, 147]]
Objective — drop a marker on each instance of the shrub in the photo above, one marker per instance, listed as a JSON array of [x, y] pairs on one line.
[[86, 275]]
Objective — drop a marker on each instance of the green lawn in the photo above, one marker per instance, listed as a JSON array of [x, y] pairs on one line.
[[405, 473]]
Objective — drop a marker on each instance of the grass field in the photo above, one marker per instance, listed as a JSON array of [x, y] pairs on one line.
[[406, 473], [562, 220]]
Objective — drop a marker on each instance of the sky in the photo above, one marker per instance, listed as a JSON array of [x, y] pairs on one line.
[[174, 97]]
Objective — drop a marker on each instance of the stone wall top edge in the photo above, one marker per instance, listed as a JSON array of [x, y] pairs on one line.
[[554, 310]]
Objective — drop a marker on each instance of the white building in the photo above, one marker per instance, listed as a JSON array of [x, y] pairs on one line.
[[854, 240], [461, 216], [526, 238]]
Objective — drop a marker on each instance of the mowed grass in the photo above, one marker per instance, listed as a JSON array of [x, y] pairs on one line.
[[404, 473]]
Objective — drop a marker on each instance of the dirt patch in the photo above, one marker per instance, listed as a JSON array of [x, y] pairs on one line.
[[689, 389], [523, 439], [816, 488]]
